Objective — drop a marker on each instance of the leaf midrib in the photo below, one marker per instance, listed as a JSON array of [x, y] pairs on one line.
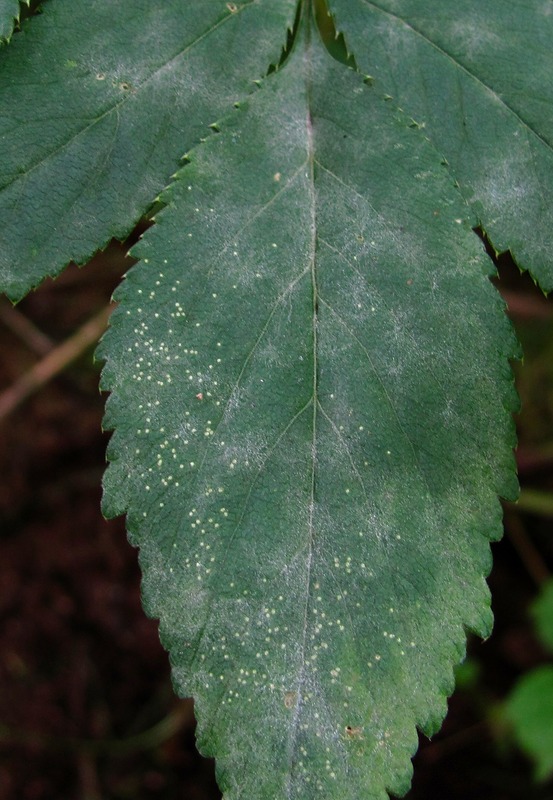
[[308, 60], [463, 68]]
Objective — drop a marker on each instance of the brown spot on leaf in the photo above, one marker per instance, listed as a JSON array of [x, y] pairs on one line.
[[290, 699]]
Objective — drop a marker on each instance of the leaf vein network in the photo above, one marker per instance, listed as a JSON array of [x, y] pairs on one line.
[[125, 99], [462, 67], [376, 374], [366, 202]]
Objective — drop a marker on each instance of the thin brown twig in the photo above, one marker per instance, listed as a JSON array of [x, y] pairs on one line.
[[27, 331], [530, 459], [149, 739], [54, 362], [527, 306], [527, 552], [88, 776], [536, 501]]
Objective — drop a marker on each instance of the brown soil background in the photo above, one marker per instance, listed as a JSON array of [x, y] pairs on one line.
[[86, 706]]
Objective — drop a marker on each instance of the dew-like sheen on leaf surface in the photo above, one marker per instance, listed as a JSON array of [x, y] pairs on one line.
[[477, 76], [311, 400], [99, 102]]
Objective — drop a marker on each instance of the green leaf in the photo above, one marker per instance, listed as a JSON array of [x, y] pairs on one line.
[[530, 709], [9, 15], [477, 76], [98, 105], [311, 400], [543, 615]]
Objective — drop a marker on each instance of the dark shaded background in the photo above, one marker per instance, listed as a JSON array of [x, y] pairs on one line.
[[86, 706]]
